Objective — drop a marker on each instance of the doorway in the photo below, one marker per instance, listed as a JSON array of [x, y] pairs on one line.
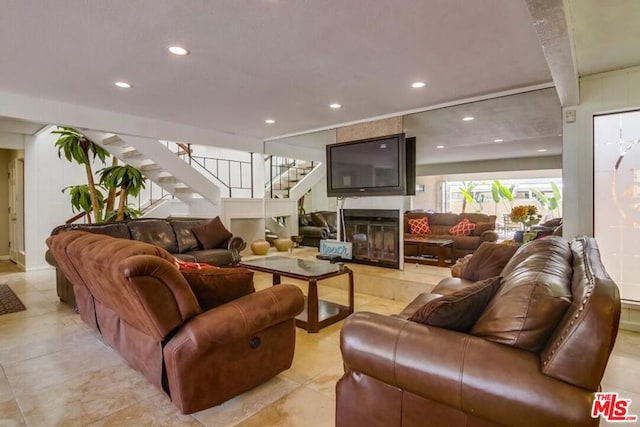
[[16, 212]]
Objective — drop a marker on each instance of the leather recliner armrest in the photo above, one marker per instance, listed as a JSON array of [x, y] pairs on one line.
[[243, 317], [236, 244], [490, 380], [489, 236]]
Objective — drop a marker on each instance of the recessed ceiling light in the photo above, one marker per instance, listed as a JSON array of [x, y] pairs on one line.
[[177, 50], [439, 146], [542, 150], [123, 85], [468, 118], [335, 105], [269, 121], [417, 85], [498, 140]]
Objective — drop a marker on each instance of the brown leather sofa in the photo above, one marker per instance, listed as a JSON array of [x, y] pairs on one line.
[[174, 235], [534, 357], [316, 226], [440, 223], [200, 337]]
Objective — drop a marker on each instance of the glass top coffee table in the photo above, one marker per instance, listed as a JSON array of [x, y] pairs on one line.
[[317, 313]]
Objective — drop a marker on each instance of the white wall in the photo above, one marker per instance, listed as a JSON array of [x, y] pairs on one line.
[[45, 205], [600, 93]]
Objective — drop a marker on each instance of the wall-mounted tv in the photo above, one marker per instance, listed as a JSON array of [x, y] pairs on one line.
[[369, 167]]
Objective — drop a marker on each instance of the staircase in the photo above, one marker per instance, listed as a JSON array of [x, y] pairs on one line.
[[162, 167], [284, 174]]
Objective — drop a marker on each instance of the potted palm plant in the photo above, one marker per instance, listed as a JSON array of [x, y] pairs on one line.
[[78, 148], [129, 181]]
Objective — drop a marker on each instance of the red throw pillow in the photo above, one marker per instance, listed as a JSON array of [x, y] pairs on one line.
[[186, 265], [463, 228], [419, 225]]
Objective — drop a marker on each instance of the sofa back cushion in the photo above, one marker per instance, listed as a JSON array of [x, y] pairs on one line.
[[487, 261], [113, 229], [184, 236], [157, 232], [579, 349], [479, 217], [535, 294]]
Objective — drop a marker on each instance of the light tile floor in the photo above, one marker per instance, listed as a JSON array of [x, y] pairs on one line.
[[55, 371]]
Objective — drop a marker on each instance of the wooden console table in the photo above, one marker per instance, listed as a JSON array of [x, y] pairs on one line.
[[317, 313], [443, 246]]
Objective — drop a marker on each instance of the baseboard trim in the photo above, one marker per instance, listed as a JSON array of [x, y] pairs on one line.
[[630, 316], [4, 258]]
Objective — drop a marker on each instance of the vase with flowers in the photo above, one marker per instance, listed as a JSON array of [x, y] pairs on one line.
[[528, 216]]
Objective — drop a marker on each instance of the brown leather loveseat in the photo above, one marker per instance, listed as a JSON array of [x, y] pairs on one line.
[[526, 348], [188, 239], [201, 337]]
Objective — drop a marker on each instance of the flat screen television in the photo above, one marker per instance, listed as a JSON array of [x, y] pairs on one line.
[[368, 167]]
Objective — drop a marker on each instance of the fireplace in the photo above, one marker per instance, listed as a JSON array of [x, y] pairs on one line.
[[374, 236]]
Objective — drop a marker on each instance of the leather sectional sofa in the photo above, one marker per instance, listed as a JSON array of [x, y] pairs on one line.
[[200, 336], [534, 357], [440, 223], [175, 235]]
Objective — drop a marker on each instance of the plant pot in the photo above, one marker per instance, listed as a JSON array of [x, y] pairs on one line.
[[518, 236]]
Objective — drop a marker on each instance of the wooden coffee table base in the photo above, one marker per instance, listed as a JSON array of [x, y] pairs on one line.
[[317, 313], [442, 247]]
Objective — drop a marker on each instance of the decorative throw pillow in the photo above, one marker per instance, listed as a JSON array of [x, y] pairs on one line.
[[212, 233], [216, 286], [187, 265], [488, 261], [419, 225], [459, 310], [463, 228]]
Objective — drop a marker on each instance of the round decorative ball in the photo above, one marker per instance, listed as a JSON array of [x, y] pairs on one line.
[[260, 247], [283, 244]]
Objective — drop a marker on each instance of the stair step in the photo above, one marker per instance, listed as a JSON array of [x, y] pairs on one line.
[[150, 167], [168, 179], [131, 154], [113, 140]]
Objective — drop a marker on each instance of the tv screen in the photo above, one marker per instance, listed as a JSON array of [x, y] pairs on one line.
[[374, 166]]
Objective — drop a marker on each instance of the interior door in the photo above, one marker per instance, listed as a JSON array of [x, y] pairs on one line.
[[16, 211]]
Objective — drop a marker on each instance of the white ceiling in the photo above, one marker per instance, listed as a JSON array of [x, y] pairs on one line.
[[287, 60]]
